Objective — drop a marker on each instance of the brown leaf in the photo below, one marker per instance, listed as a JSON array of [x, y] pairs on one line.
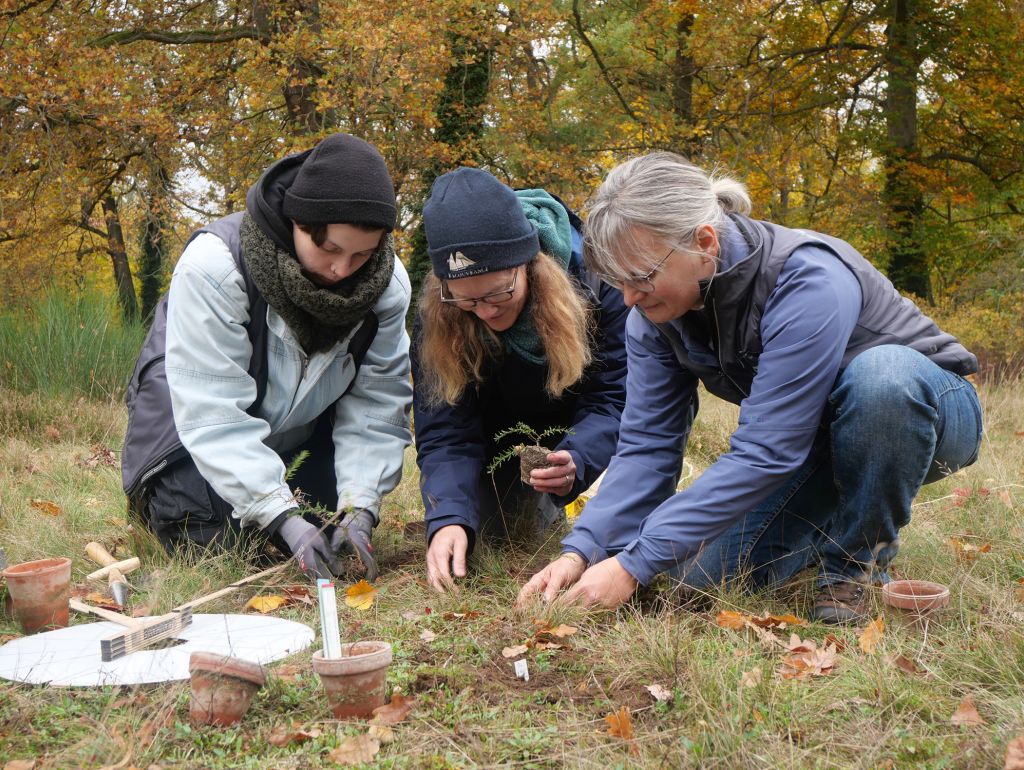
[[561, 631], [52, 433], [48, 507], [355, 750], [298, 595], [815, 662], [796, 644], [837, 642], [868, 640], [382, 733], [515, 651], [777, 621], [546, 646], [284, 736], [967, 552], [20, 764], [659, 692], [907, 665], [427, 635], [620, 725], [967, 714], [751, 678], [1014, 759], [461, 615], [394, 712], [100, 457]]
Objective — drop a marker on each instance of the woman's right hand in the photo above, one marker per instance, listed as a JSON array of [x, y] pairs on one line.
[[557, 576], [447, 556]]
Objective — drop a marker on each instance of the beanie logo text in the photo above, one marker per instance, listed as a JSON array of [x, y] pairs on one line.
[[458, 261]]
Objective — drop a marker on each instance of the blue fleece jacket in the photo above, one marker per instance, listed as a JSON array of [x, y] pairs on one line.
[[637, 515]]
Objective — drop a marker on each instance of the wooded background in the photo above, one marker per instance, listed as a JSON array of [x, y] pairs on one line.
[[897, 125]]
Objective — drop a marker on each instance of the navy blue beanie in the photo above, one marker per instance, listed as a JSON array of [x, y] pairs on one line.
[[475, 224], [343, 180]]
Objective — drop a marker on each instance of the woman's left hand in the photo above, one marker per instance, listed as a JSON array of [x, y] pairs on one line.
[[557, 479]]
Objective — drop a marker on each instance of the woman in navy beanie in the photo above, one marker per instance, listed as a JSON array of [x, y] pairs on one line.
[[511, 328]]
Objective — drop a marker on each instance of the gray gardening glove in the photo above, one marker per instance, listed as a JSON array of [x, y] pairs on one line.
[[354, 534], [310, 548]]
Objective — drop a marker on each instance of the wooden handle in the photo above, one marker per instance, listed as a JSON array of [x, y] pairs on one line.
[[99, 554], [234, 586], [124, 567], [116, 617]]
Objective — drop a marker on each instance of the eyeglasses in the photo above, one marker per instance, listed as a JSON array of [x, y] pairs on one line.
[[641, 283], [494, 298]]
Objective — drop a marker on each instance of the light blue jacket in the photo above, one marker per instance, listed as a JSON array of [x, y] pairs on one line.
[[208, 352]]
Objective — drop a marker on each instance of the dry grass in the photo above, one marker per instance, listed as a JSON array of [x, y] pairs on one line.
[[471, 710]]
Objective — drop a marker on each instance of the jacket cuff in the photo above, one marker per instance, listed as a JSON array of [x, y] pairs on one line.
[[636, 565], [584, 546]]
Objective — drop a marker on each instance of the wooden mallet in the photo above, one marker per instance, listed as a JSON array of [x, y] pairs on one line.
[[111, 569]]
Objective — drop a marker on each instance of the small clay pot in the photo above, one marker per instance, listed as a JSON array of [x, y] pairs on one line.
[[355, 682], [915, 595], [222, 688], [530, 458], [39, 592]]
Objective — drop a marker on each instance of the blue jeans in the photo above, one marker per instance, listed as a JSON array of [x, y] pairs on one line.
[[893, 422]]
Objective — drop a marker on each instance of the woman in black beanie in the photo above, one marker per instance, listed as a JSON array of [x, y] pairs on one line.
[[511, 328], [282, 333]]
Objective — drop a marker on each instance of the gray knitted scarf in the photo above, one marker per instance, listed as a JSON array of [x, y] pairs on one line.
[[319, 317]]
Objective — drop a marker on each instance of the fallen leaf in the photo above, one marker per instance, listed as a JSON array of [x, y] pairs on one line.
[[427, 635], [265, 604], [285, 736], [355, 750], [752, 678], [777, 621], [48, 507], [796, 644], [1014, 754], [838, 642], [547, 646], [967, 714], [868, 640], [736, 621], [52, 433], [100, 457], [967, 552], [394, 712], [907, 665], [461, 615], [382, 733], [620, 725], [298, 595], [562, 631], [517, 650], [141, 611], [659, 693], [20, 764], [360, 596], [813, 662]]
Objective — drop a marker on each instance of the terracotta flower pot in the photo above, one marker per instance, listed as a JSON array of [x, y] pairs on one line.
[[915, 595], [222, 688], [355, 682], [530, 458], [39, 592]]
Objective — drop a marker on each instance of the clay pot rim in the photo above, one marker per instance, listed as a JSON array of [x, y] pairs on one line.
[[225, 665], [36, 567], [354, 664], [915, 594]]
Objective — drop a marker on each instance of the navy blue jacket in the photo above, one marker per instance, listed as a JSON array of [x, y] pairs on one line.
[[454, 444]]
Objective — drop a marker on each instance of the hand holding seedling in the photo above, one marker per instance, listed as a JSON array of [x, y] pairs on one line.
[[447, 556], [558, 477], [559, 574]]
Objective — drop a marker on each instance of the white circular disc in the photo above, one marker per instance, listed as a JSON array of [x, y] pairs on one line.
[[70, 657]]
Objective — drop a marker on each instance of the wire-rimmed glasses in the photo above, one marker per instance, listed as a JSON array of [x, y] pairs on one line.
[[641, 283]]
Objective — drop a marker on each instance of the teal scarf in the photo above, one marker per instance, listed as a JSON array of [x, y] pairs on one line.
[[555, 233]]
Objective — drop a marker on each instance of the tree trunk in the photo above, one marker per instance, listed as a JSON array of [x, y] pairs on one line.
[[683, 70], [460, 118], [154, 243], [119, 260], [904, 200]]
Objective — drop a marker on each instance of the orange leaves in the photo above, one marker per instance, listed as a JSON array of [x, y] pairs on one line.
[[738, 621], [47, 507], [360, 596], [967, 552], [806, 659], [394, 712], [545, 637], [620, 726], [868, 640], [285, 736]]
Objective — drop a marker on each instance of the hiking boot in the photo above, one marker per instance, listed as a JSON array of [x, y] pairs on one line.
[[842, 603]]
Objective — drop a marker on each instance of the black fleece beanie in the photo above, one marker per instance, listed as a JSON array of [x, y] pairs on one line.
[[343, 181]]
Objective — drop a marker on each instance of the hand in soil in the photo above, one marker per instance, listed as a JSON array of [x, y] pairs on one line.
[[606, 584], [445, 556], [558, 477], [558, 575]]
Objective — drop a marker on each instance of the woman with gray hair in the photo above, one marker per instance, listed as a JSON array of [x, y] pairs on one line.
[[850, 400]]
